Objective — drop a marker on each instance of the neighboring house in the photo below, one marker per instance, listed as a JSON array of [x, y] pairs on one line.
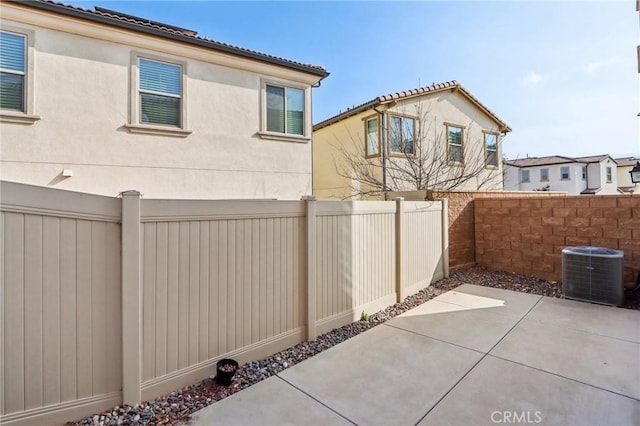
[[443, 124], [102, 102], [581, 175], [624, 178]]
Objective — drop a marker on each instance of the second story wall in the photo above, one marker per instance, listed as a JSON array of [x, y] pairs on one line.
[[84, 97], [429, 118]]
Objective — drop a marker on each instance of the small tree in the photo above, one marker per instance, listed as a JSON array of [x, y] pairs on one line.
[[426, 159]]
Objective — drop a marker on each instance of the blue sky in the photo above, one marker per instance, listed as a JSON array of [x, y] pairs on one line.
[[563, 75]]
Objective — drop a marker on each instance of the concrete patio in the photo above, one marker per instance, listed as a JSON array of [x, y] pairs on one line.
[[472, 356]]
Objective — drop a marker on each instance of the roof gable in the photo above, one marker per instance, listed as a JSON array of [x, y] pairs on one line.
[[412, 93]]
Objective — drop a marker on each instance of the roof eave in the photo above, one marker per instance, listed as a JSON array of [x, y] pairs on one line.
[[210, 44]]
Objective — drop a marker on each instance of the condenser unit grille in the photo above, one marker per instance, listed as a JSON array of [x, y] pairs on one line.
[[594, 274]]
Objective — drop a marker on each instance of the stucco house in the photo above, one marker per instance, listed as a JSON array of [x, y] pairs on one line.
[[102, 102], [625, 184], [595, 174], [434, 137]]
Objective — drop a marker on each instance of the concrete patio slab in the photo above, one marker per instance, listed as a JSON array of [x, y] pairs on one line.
[[476, 329], [502, 392], [551, 361], [592, 318], [604, 362], [384, 376], [270, 402], [476, 296]]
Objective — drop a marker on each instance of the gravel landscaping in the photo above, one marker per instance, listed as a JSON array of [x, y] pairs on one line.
[[176, 407]]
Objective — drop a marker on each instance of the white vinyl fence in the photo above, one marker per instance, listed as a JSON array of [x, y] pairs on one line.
[[109, 301]]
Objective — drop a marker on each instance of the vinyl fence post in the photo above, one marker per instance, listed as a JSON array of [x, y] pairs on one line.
[[399, 252], [445, 237], [311, 266], [131, 299]]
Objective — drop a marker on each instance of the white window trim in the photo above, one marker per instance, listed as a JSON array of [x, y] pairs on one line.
[[568, 173], [28, 116], [522, 176], [263, 133], [542, 177], [134, 125]]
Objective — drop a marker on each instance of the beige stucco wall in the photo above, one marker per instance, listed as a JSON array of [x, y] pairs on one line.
[[82, 91], [435, 110]]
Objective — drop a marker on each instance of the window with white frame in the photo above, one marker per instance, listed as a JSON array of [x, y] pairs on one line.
[[564, 173], [454, 141], [609, 175], [491, 149], [372, 136], [402, 131], [13, 68], [544, 175], [584, 172], [160, 93], [285, 110], [525, 176]]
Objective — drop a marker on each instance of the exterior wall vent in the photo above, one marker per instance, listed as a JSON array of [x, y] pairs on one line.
[[593, 274]]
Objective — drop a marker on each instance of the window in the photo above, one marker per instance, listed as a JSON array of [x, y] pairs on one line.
[[285, 110], [584, 172], [371, 135], [564, 173], [609, 177], [524, 176], [12, 71], [160, 87], [402, 131], [490, 149], [454, 139], [544, 175]]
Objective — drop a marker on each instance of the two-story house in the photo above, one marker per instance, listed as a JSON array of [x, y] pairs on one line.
[[101, 102], [625, 184], [434, 137], [581, 175]]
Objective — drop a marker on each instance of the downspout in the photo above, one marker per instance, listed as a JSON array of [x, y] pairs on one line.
[[383, 146]]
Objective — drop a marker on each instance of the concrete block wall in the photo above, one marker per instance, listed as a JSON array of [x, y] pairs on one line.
[[462, 247], [526, 236]]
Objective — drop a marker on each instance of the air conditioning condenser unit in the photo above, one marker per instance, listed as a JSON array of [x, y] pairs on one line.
[[593, 274]]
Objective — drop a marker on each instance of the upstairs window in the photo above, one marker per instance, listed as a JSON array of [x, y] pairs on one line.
[[454, 140], [160, 93], [285, 110], [544, 175], [584, 172], [402, 132], [609, 175], [12, 71], [525, 176], [371, 135], [564, 173], [491, 149]]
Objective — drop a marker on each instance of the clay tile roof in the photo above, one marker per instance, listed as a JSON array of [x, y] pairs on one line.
[[594, 158], [627, 161], [556, 159], [391, 97], [542, 161], [135, 23]]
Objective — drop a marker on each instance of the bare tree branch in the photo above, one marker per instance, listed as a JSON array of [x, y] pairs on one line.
[[417, 159]]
